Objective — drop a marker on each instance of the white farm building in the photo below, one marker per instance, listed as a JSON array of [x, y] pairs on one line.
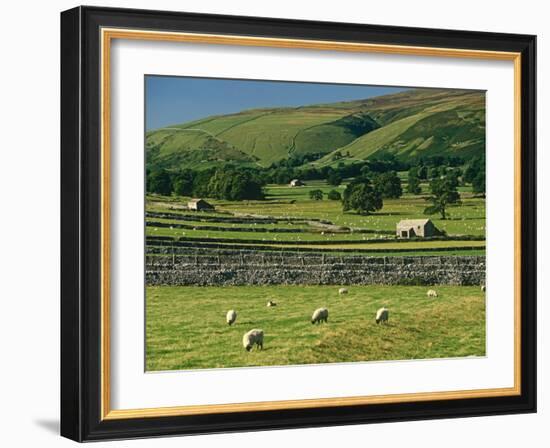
[[296, 183], [411, 228]]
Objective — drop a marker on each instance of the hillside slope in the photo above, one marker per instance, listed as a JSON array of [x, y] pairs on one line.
[[410, 124]]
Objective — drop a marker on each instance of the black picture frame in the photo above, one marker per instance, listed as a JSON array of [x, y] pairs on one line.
[[81, 224]]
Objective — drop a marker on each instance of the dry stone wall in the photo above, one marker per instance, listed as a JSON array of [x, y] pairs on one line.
[[224, 268]]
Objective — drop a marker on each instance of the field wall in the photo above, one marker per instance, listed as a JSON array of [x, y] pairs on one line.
[[233, 267]]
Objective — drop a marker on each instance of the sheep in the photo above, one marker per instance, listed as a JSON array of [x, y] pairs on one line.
[[320, 315], [382, 315], [432, 293], [483, 288], [231, 317], [342, 291], [271, 303], [253, 337]]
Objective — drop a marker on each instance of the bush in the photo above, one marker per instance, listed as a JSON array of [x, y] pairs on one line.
[[316, 195], [334, 195]]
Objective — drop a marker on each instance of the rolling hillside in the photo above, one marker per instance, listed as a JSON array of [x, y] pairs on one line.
[[410, 124]]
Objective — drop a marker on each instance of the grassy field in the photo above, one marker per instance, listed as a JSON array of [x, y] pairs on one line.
[[186, 329], [284, 202], [389, 123]]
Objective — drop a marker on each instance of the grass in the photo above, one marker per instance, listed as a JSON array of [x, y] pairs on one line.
[[273, 134], [399, 245], [368, 144], [287, 202], [186, 329], [283, 201], [453, 126], [212, 225], [267, 236]]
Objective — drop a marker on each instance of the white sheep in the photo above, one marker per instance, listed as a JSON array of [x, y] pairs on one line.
[[231, 317], [483, 288], [271, 303], [432, 293], [253, 337], [382, 315], [342, 291], [320, 315]]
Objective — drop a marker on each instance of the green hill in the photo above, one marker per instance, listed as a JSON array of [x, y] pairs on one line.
[[410, 124]]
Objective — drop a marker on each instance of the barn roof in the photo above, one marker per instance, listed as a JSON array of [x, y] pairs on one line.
[[195, 201], [412, 222]]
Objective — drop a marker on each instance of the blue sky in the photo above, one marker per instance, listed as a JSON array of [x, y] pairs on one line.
[[173, 100]]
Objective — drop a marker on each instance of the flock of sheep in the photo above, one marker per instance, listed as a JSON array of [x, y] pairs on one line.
[[256, 336]]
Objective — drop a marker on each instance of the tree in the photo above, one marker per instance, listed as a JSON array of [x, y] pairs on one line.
[[245, 186], [388, 185], [361, 196], [234, 185], [365, 171], [160, 182], [284, 175], [472, 169], [475, 174], [334, 195], [423, 172], [182, 183], [435, 171], [453, 175], [478, 183], [413, 183], [201, 181], [316, 195], [444, 193], [334, 178]]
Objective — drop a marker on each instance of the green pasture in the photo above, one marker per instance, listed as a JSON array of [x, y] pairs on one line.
[[186, 328], [283, 201], [212, 225], [418, 245], [408, 124]]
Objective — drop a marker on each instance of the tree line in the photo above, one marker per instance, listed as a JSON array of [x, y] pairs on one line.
[[372, 181], [227, 183], [366, 196]]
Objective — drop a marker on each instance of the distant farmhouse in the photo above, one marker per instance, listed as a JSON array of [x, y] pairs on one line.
[[296, 183], [410, 228], [199, 205]]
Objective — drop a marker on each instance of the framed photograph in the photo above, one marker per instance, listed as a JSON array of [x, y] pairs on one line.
[[276, 224]]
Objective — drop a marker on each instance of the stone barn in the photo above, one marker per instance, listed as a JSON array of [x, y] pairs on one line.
[[411, 228], [296, 183], [199, 205]]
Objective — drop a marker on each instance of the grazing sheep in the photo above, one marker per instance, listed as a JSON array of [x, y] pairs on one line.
[[271, 303], [231, 317], [432, 293], [253, 337], [483, 288], [382, 315], [342, 291], [320, 315]]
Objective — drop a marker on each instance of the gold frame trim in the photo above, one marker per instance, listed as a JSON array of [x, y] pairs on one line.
[[107, 35]]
